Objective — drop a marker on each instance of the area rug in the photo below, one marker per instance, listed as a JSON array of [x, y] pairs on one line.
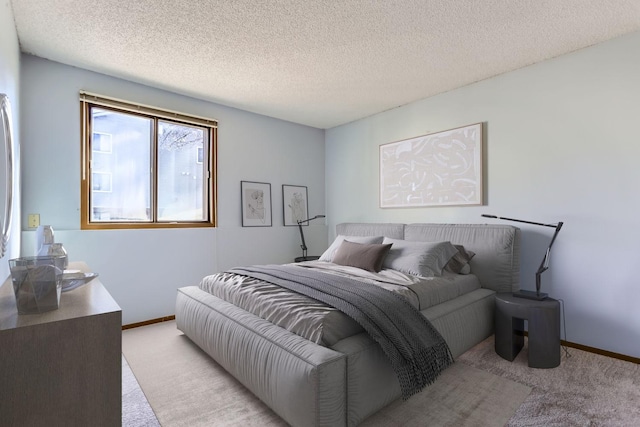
[[587, 389], [136, 411], [185, 387]]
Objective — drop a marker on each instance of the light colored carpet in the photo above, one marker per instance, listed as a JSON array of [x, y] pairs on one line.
[[587, 389], [185, 387]]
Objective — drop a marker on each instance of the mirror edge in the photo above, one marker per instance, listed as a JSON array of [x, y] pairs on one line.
[[7, 144]]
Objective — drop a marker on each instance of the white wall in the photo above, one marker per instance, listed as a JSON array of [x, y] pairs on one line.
[[562, 144], [9, 85], [143, 268]]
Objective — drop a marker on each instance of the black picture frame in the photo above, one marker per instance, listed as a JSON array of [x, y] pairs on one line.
[[256, 204], [295, 204]]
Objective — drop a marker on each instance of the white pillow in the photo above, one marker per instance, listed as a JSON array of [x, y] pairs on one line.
[[331, 251], [425, 259]]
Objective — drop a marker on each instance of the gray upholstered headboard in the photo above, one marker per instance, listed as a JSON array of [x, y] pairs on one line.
[[497, 247], [387, 229]]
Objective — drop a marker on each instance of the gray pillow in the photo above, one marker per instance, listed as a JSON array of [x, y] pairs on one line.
[[329, 253], [365, 256], [459, 263], [425, 259]]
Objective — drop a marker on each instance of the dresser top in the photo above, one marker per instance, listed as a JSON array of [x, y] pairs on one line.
[[91, 299]]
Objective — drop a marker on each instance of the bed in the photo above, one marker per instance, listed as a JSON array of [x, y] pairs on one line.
[[330, 372]]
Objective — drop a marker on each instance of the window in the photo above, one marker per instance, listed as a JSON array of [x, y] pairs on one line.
[[143, 167]]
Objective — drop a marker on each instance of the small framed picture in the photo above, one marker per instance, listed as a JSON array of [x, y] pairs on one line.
[[256, 204], [295, 205]]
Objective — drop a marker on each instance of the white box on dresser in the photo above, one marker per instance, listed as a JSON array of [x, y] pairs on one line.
[[62, 367]]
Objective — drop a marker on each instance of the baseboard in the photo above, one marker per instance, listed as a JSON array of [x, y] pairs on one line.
[[563, 342], [597, 351], [601, 352], [149, 322]]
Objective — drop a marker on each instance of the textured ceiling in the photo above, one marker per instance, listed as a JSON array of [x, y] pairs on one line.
[[320, 63]]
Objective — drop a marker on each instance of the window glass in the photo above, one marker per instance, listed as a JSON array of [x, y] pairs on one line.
[[180, 175], [121, 175]]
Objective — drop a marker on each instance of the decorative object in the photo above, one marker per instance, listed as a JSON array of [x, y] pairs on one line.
[[256, 204], [304, 256], [544, 265], [37, 282], [57, 249], [10, 171], [72, 279], [45, 242], [44, 236], [438, 169], [295, 204]]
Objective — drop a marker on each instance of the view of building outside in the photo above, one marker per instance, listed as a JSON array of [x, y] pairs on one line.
[[181, 168], [121, 166]]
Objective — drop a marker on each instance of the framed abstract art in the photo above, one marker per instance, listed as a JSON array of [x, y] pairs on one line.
[[438, 169]]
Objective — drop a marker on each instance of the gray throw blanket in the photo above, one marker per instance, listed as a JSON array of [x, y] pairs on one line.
[[416, 350]]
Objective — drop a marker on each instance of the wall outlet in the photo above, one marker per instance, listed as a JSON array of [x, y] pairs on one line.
[[33, 220]]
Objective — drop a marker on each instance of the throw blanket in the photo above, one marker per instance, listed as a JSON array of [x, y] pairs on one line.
[[416, 350]]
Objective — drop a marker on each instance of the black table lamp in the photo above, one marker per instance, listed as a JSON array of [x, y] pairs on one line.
[[544, 265], [304, 256]]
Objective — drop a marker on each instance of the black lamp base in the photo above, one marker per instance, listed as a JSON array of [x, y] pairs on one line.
[[538, 296], [307, 258]]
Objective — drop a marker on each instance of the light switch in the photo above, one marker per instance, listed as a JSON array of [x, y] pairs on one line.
[[34, 220]]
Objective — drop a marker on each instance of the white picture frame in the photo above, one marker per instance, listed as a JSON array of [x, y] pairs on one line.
[[438, 169]]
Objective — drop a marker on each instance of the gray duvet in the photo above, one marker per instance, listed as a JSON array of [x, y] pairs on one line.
[[416, 350], [318, 322]]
